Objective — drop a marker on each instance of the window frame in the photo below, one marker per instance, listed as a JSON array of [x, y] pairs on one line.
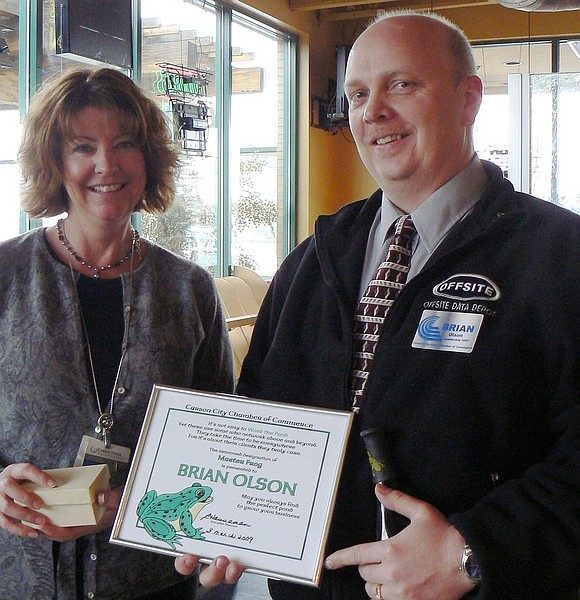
[[31, 60]]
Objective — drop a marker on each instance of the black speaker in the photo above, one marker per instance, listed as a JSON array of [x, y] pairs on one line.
[[98, 30]]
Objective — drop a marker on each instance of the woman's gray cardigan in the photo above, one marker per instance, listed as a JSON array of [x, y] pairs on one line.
[[176, 336]]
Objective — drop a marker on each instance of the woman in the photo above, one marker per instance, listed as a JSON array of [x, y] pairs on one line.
[[91, 316]]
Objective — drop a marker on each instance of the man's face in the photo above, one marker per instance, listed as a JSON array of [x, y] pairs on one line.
[[409, 115]]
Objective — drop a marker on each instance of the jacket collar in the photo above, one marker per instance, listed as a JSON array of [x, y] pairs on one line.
[[341, 241], [341, 238]]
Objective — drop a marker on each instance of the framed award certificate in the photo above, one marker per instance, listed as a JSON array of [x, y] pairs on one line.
[[222, 474]]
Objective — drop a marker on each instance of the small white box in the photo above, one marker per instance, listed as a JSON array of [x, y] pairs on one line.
[[73, 501]]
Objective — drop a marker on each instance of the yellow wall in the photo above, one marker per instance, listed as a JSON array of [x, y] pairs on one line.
[[339, 176], [330, 173]]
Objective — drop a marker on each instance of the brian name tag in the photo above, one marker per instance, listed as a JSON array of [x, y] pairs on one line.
[[447, 331]]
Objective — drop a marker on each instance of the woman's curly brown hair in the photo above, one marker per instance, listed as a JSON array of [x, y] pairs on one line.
[[47, 126]]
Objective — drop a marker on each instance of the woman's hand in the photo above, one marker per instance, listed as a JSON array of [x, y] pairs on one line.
[[18, 504]]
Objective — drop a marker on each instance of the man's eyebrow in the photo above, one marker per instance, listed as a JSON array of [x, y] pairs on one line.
[[353, 83]]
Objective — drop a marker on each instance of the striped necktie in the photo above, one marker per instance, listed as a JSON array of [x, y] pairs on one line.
[[376, 302]]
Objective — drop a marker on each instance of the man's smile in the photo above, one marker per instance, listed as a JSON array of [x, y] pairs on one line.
[[391, 138]]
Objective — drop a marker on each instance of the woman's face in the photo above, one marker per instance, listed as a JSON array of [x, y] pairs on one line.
[[104, 167]]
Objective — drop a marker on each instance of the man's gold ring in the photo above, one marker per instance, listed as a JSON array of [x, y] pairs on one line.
[[378, 594]]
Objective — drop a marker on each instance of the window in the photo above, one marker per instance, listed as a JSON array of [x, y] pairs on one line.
[[227, 84], [256, 146], [554, 133], [533, 141], [9, 123], [495, 62], [224, 78], [9, 173]]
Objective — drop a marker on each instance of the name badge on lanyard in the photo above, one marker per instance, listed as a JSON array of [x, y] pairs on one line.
[[93, 451]]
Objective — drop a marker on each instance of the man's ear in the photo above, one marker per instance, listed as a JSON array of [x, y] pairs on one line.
[[473, 94]]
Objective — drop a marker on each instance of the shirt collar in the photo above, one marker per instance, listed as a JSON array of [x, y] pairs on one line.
[[445, 207]]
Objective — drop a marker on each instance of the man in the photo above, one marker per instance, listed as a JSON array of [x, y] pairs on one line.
[[474, 379]]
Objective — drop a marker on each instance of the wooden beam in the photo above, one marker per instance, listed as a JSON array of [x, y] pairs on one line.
[[310, 5], [304, 5]]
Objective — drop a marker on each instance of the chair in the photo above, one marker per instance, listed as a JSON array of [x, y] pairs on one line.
[[258, 286], [240, 310]]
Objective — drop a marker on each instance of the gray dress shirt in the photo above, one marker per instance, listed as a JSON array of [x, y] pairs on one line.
[[433, 220]]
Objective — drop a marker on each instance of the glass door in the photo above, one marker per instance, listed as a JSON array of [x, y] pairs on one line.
[[544, 148], [9, 119]]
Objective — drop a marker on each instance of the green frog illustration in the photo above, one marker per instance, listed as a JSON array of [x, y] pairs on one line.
[[163, 516]]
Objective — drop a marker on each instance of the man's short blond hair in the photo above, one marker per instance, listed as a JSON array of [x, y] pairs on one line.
[[459, 44]]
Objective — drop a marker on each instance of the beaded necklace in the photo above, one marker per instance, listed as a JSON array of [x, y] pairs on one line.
[[135, 248]]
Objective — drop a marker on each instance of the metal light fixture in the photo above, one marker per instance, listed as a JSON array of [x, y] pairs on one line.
[[4, 46], [541, 5]]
